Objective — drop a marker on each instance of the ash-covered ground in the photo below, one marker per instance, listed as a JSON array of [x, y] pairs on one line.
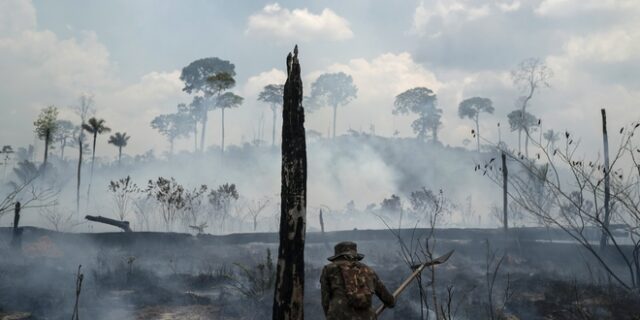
[[153, 275]]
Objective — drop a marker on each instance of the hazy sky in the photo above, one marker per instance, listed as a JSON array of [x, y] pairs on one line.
[[129, 55]]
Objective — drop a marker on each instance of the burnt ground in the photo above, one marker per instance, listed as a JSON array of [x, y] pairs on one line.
[[150, 275]]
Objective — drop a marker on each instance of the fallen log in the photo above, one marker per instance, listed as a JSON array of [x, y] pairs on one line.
[[124, 225]]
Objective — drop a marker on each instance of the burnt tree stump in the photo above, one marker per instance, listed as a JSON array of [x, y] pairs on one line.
[[16, 239], [289, 286]]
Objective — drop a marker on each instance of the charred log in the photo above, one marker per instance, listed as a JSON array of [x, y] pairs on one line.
[[124, 225], [289, 286]]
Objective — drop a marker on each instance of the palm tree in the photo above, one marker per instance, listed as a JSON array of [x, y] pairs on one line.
[[95, 127], [119, 140]]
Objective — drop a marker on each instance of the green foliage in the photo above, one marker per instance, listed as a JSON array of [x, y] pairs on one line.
[[119, 139], [218, 83], [228, 100], [47, 123], [96, 126], [196, 75]]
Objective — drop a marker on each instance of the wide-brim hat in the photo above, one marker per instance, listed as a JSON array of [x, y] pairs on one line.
[[346, 249]]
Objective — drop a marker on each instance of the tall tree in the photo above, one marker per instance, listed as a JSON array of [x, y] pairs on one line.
[[531, 75], [207, 79], [195, 113], [173, 126], [288, 299], [522, 121], [95, 127], [227, 100], [272, 94], [64, 132], [334, 90], [83, 110], [119, 140], [420, 101], [471, 108], [552, 137], [46, 125]]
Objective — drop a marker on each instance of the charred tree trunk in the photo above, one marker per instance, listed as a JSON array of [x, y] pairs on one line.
[[80, 140], [47, 138], [607, 213], [505, 177], [124, 225], [289, 286], [16, 240]]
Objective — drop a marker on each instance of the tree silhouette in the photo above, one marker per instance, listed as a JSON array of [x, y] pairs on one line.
[[334, 90], [520, 121], [420, 101], [471, 108], [83, 110], [64, 132], [173, 126], [530, 75], [272, 94], [46, 125], [227, 100], [207, 78], [195, 112], [95, 127], [552, 137], [119, 140]]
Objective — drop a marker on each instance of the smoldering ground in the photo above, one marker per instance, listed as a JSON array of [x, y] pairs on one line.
[[146, 275]]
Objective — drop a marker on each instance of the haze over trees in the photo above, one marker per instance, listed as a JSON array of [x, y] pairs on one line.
[[207, 79], [530, 76], [420, 101], [46, 125], [94, 127], [173, 126], [333, 90], [272, 94], [120, 141], [63, 134], [471, 108]]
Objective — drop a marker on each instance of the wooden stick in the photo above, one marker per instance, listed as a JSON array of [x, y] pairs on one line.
[[415, 273]]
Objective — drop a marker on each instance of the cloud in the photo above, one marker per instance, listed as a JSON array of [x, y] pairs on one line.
[[298, 24], [256, 83], [378, 80], [16, 16], [39, 69], [435, 16], [562, 8]]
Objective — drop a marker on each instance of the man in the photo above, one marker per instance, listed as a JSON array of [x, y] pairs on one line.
[[347, 286]]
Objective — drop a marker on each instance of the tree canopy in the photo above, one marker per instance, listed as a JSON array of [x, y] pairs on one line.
[[333, 89], [197, 74], [420, 101], [272, 94], [472, 107], [47, 123]]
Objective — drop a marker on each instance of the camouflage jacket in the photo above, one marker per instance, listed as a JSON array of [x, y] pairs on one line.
[[334, 300]]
